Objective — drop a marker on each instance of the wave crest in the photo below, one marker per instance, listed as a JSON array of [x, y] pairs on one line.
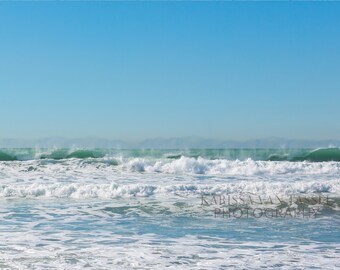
[[186, 165], [318, 155], [114, 190]]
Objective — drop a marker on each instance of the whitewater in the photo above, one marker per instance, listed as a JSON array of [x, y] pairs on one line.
[[142, 209]]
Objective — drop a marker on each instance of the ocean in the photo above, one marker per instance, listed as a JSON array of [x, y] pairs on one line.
[[169, 209]]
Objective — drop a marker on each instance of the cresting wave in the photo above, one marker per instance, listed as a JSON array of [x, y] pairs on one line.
[[316, 155], [182, 166], [31, 154], [319, 155], [186, 165], [6, 157], [139, 177], [114, 190]]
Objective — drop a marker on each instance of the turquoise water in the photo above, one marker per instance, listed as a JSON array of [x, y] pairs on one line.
[[143, 209], [317, 155]]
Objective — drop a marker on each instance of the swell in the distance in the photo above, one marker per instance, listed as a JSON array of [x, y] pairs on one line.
[[312, 155]]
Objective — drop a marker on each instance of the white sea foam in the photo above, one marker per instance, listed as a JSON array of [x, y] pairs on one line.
[[94, 178], [122, 214], [187, 165], [188, 252], [114, 190], [183, 165]]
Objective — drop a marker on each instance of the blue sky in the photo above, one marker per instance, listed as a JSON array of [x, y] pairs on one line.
[[141, 70]]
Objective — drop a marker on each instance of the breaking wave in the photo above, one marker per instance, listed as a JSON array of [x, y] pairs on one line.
[[186, 165], [181, 166], [316, 155], [114, 190]]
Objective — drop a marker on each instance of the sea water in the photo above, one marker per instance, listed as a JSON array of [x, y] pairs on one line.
[[169, 209]]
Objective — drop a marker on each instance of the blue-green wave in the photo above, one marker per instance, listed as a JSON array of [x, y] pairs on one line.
[[6, 157], [64, 154], [311, 155]]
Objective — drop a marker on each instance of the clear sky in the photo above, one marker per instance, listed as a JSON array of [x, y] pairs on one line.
[[142, 70]]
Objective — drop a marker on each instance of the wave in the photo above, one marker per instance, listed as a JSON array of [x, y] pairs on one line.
[[108, 166], [58, 154], [114, 190], [64, 154], [6, 157], [186, 165], [318, 155], [293, 155], [330, 154]]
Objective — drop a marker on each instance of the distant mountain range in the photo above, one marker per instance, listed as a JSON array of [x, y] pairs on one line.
[[167, 143]]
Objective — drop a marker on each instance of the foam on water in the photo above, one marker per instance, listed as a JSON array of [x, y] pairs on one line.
[[106, 191], [103, 178], [108, 236], [144, 211], [182, 253], [187, 165]]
